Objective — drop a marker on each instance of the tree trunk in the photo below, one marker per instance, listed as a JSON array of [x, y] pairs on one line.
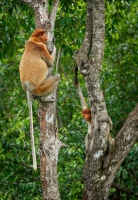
[[49, 149], [49, 142], [101, 164]]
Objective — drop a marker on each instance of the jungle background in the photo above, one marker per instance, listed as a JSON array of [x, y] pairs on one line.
[[119, 82]]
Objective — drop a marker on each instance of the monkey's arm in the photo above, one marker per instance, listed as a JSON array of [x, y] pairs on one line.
[[53, 56], [40, 50], [49, 59]]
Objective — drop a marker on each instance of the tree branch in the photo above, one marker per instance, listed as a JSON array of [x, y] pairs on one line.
[[53, 14], [55, 92], [58, 60], [124, 140], [133, 175], [41, 12], [87, 43], [122, 188], [82, 99]]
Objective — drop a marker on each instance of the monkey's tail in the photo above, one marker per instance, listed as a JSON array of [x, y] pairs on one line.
[[29, 97]]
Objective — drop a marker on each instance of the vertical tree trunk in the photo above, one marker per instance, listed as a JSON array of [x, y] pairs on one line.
[[49, 142], [102, 158], [101, 164], [89, 60], [49, 149]]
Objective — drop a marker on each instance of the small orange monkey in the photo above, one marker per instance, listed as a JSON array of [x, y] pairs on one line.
[[86, 113], [33, 73]]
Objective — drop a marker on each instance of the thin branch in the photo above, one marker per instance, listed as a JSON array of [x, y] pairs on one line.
[[58, 60], [82, 99], [87, 43], [55, 92], [133, 175], [46, 6], [53, 13], [76, 81], [122, 188]]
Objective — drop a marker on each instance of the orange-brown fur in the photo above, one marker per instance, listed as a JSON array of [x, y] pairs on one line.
[[33, 73], [86, 113], [34, 65]]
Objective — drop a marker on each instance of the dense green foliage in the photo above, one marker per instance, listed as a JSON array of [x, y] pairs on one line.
[[119, 81]]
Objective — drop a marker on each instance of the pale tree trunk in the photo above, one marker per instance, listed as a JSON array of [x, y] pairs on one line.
[[101, 164], [49, 142]]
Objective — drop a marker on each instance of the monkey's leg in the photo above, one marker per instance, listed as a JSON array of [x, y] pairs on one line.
[[47, 87]]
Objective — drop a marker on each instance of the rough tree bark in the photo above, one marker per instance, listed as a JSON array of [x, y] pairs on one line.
[[101, 164], [49, 142]]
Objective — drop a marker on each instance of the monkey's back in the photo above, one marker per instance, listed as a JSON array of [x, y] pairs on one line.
[[32, 66]]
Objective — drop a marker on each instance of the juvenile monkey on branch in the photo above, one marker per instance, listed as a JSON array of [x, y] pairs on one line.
[[87, 115], [86, 112], [33, 74]]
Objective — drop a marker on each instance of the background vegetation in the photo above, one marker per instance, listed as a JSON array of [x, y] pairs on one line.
[[119, 82]]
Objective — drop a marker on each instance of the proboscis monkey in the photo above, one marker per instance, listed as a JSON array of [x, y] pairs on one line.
[[87, 115], [33, 73]]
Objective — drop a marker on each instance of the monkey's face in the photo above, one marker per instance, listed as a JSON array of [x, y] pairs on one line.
[[86, 113], [44, 38], [87, 116]]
